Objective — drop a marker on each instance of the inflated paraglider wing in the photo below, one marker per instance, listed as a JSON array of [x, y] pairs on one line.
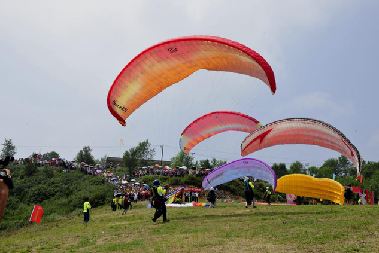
[[307, 186], [169, 62], [214, 123], [238, 169], [301, 131]]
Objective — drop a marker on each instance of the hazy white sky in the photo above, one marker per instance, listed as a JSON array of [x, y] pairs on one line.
[[59, 59]]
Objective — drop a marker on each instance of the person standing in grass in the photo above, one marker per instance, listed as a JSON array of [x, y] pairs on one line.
[[268, 195], [249, 192], [114, 204], [212, 197], [87, 207]]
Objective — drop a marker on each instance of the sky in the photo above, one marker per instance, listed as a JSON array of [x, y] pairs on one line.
[[59, 60]]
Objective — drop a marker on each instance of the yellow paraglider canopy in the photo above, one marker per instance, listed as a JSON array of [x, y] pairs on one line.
[[307, 186]]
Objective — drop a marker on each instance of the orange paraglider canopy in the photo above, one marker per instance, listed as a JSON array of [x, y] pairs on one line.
[[169, 62]]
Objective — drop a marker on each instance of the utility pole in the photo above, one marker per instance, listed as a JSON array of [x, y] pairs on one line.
[[162, 154]]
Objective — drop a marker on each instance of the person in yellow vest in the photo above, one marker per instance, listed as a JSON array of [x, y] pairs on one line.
[[249, 192], [87, 207], [114, 204], [268, 195], [159, 200], [119, 202]]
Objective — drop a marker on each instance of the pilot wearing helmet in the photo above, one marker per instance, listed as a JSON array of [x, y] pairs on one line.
[[158, 201]]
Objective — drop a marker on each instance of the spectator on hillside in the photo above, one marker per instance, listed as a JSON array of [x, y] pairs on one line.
[[135, 197]]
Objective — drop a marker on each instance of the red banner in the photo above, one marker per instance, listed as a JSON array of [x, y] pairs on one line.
[[189, 189], [36, 214], [192, 189], [370, 197]]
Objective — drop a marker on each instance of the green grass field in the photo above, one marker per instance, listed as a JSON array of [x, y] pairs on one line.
[[227, 228]]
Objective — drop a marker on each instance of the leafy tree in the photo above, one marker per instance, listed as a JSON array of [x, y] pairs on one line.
[[205, 164], [50, 155], [217, 163], [102, 160], [369, 169], [332, 165], [130, 160], [313, 170], [344, 166], [85, 155], [9, 149], [325, 172], [138, 156], [280, 169], [144, 152], [182, 159], [297, 168]]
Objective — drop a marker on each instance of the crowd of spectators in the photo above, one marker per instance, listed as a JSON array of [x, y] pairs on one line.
[[170, 172]]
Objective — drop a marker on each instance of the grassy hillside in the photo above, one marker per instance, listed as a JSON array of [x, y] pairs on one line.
[[60, 194], [227, 228]]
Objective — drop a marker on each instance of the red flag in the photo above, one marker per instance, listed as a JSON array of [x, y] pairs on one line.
[[361, 178], [358, 178], [36, 214]]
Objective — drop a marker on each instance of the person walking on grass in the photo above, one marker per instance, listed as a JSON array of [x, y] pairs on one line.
[[158, 201], [87, 207], [125, 204]]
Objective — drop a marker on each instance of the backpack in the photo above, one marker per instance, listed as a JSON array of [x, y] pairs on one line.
[[247, 186], [155, 200], [210, 196]]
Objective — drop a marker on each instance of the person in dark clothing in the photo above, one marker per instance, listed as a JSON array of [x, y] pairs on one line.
[[212, 197], [125, 204], [130, 196], [158, 201], [268, 195], [348, 194], [249, 192], [6, 184]]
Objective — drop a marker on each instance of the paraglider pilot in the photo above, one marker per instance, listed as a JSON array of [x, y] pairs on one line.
[[212, 197], [158, 201], [249, 192], [268, 195]]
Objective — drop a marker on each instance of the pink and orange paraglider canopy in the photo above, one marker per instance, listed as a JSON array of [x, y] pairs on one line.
[[301, 131], [214, 123], [169, 62]]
